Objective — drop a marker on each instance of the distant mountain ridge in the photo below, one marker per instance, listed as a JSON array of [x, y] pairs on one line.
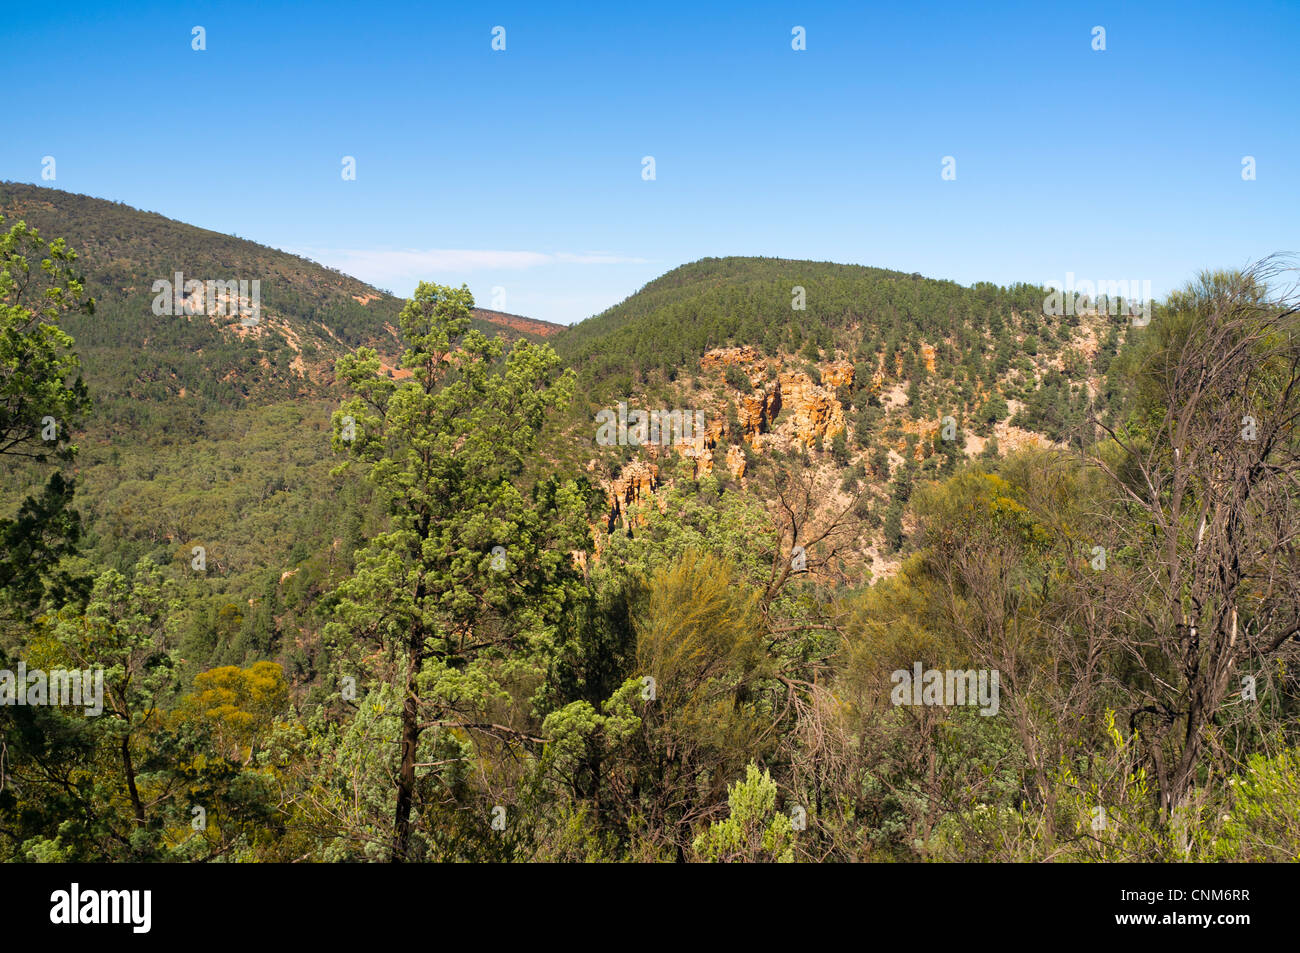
[[311, 313], [527, 327]]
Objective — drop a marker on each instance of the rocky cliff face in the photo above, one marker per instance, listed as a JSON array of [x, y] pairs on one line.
[[778, 403], [784, 409], [815, 412], [756, 411], [736, 461], [723, 356], [878, 378], [838, 374], [809, 412], [699, 450], [925, 432], [635, 483]]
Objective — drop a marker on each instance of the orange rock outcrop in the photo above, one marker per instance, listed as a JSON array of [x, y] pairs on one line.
[[755, 411], [838, 374], [736, 461], [816, 412], [637, 482], [722, 356]]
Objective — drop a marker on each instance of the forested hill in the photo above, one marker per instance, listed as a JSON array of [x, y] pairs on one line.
[[310, 313], [878, 357], [873, 380], [674, 319], [205, 431]]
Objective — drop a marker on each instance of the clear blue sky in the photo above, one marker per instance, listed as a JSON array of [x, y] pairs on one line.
[[522, 168]]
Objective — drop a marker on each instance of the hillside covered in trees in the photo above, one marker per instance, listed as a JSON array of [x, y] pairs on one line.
[[846, 372], [204, 432], [311, 314], [408, 601]]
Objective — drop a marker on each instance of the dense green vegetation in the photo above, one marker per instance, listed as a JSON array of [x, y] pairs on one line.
[[197, 436], [134, 355], [990, 344], [851, 309], [136, 360], [387, 617]]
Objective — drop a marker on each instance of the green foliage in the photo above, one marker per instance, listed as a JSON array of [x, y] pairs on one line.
[[737, 379], [42, 398], [754, 832], [716, 301], [360, 674], [840, 449], [705, 516], [993, 411], [38, 371], [443, 449], [1261, 823], [1057, 408], [894, 534]]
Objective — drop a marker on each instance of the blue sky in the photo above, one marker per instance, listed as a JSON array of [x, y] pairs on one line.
[[522, 169]]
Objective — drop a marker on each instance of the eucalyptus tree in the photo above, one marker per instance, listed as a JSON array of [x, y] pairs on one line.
[[41, 398], [461, 591]]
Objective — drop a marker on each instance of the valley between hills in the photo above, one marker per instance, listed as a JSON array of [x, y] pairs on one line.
[[426, 579]]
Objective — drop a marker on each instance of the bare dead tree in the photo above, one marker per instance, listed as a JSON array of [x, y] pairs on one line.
[[806, 522], [1207, 474]]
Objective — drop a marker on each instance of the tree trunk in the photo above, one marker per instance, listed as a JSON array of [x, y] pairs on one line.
[[406, 769], [136, 804]]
